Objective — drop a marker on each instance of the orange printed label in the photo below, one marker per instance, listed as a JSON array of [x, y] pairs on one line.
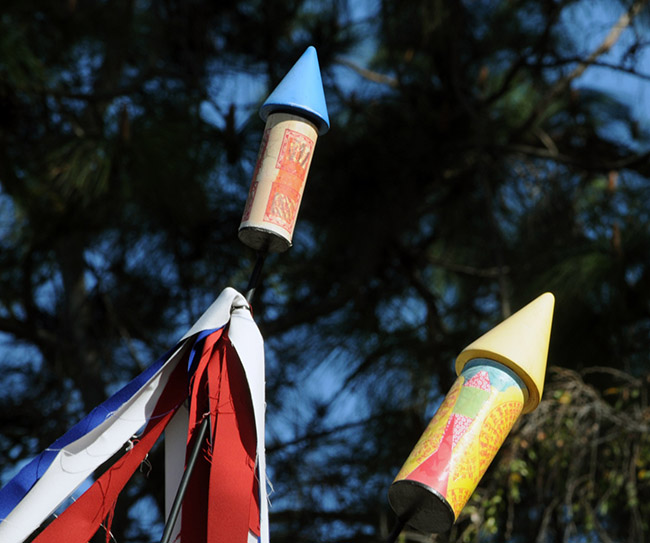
[[292, 164]]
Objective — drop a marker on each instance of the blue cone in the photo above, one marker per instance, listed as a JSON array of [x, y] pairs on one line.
[[301, 92]]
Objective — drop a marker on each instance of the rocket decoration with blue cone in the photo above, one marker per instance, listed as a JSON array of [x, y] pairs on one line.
[[295, 114], [500, 376], [206, 393]]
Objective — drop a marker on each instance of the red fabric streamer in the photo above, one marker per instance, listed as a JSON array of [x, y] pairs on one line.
[[222, 502]]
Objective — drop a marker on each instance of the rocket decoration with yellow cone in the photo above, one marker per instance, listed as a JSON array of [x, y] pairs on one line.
[[500, 376]]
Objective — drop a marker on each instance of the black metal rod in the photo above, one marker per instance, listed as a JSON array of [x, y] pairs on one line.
[[254, 280], [253, 283], [182, 486], [396, 531]]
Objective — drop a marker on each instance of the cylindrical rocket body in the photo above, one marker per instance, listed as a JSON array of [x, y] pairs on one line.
[[278, 182], [457, 446]]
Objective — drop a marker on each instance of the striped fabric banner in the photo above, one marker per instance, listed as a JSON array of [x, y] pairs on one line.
[[219, 365]]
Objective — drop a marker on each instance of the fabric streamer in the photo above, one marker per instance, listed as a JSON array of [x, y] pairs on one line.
[[219, 364], [227, 509]]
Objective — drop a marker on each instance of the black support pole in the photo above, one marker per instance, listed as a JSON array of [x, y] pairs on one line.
[[254, 280], [182, 486], [396, 531]]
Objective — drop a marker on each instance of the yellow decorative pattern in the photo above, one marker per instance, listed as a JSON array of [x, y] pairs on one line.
[[495, 429], [479, 445], [458, 496]]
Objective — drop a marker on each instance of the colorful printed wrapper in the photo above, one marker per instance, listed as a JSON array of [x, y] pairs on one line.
[[457, 446], [278, 182]]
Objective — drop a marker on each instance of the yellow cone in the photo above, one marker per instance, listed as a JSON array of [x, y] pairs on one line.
[[521, 343]]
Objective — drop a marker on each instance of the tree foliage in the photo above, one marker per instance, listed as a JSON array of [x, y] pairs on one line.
[[468, 169]]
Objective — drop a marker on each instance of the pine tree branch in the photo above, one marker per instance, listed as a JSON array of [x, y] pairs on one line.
[[470, 271], [598, 63], [313, 436], [306, 313], [589, 165], [370, 75], [563, 84]]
